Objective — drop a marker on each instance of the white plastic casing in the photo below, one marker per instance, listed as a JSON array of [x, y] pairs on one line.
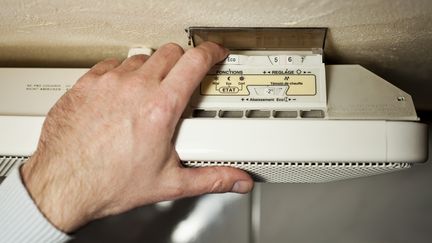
[[363, 133], [265, 140]]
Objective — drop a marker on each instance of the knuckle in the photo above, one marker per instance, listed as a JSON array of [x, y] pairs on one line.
[[138, 59], [173, 47], [103, 66], [220, 179], [198, 56], [218, 186], [108, 62], [111, 61], [160, 112], [111, 76]]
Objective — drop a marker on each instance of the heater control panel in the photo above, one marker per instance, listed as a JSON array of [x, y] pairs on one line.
[[264, 81]]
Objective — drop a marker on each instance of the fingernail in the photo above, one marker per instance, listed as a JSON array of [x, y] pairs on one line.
[[241, 187]]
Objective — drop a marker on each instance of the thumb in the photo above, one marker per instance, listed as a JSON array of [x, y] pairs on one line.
[[218, 179]]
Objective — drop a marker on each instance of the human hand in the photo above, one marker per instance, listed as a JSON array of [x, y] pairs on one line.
[[106, 145]]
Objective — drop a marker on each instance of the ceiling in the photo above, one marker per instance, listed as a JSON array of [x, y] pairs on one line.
[[391, 38]]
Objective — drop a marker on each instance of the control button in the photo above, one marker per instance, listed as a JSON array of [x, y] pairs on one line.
[[232, 59], [228, 89], [278, 90], [294, 60], [268, 90], [275, 60]]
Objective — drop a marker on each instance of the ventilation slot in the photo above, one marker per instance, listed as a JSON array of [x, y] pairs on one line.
[[285, 114], [312, 114], [257, 114], [204, 113], [305, 172], [230, 114], [281, 114], [7, 163]]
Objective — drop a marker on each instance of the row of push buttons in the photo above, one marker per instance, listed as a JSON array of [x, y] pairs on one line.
[[264, 60]]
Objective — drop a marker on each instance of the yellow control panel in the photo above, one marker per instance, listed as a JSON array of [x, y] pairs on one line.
[[259, 85]]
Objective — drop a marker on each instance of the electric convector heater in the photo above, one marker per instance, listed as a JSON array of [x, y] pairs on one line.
[[271, 108]]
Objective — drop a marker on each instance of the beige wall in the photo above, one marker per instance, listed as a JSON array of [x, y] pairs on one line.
[[392, 38]]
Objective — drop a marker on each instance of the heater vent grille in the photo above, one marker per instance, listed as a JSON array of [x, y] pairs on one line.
[[305, 172], [274, 172], [7, 163]]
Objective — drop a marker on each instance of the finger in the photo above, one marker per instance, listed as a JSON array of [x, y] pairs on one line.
[[183, 79], [103, 67], [162, 61], [132, 63], [197, 181]]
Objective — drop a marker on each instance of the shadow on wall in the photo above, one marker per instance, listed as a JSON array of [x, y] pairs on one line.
[[208, 218], [150, 223]]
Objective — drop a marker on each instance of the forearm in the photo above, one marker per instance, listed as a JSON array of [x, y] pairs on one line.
[[20, 218]]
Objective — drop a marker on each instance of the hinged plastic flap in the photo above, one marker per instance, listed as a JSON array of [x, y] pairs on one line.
[[247, 38]]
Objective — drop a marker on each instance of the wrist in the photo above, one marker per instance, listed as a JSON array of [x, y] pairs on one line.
[[53, 196]]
